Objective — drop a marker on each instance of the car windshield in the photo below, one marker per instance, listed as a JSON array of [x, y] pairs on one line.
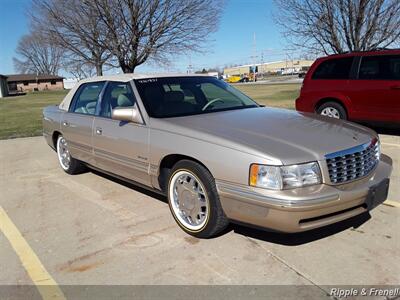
[[182, 96]]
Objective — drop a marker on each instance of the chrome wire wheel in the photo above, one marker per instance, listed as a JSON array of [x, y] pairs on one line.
[[64, 157], [331, 112], [188, 200]]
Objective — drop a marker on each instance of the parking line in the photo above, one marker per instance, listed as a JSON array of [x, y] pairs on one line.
[[392, 203], [45, 284]]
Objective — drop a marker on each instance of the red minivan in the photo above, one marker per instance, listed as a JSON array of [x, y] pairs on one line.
[[357, 86]]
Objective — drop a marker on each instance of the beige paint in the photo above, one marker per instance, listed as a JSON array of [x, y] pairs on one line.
[[227, 143]]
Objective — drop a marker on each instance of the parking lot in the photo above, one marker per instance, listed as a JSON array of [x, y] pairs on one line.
[[90, 229]]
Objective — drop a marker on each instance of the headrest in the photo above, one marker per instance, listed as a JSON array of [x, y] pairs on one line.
[[123, 101], [174, 96]]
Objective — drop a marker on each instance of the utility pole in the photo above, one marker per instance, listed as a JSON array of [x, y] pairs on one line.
[[254, 56]]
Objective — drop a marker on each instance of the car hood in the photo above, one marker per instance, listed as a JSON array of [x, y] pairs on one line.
[[288, 136]]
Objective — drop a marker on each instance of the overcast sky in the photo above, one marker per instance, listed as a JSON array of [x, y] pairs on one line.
[[231, 44]]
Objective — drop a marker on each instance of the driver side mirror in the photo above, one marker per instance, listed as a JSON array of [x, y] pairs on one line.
[[126, 114]]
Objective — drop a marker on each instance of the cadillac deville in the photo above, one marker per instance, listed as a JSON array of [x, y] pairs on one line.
[[216, 154]]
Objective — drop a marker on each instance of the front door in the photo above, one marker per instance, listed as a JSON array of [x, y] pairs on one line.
[[76, 124], [120, 147]]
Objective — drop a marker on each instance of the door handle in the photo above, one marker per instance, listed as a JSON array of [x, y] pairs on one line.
[[65, 123], [395, 87], [99, 131]]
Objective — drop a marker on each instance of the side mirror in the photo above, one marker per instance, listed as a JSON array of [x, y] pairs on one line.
[[128, 114]]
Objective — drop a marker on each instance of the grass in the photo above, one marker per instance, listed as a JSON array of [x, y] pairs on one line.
[[21, 116], [276, 95]]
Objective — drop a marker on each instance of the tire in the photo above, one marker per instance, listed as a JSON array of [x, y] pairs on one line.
[[186, 199], [69, 164], [333, 110]]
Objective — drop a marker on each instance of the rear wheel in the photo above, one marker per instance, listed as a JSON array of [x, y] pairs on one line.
[[67, 162], [194, 201], [333, 110]]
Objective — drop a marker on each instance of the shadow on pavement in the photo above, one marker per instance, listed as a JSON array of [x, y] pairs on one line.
[[295, 239], [134, 186]]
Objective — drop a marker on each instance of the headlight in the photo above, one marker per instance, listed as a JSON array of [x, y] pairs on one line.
[[284, 177]]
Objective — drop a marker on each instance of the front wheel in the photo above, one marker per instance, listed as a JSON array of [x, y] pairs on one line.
[[194, 201], [67, 162]]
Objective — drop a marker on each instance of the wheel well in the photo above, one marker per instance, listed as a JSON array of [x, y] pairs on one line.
[[325, 100], [54, 138], [167, 163]]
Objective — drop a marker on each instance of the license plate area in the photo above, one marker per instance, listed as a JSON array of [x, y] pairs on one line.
[[377, 194]]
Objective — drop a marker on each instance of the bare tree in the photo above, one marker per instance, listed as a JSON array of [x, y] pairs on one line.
[[75, 26], [155, 30], [37, 55], [336, 26]]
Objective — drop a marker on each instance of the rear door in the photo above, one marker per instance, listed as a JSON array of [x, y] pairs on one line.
[[331, 79], [120, 147], [376, 92], [76, 124]]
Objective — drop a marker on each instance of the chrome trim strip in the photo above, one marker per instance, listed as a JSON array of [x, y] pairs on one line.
[[245, 194], [352, 150], [80, 146], [137, 164]]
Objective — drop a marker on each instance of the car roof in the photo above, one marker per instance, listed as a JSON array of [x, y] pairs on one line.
[[364, 53], [131, 76]]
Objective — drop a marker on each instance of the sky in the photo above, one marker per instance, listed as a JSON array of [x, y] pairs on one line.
[[233, 43]]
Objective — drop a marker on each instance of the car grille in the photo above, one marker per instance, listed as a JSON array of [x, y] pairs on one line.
[[353, 163]]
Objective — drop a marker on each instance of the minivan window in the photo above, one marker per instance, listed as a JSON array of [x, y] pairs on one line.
[[85, 99], [380, 67], [338, 68]]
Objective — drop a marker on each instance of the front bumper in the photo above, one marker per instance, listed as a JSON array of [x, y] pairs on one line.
[[300, 209]]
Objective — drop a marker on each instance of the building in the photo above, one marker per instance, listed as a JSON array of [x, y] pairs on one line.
[[3, 86], [272, 68], [32, 82]]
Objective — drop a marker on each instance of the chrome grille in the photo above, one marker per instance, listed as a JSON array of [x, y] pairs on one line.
[[353, 163]]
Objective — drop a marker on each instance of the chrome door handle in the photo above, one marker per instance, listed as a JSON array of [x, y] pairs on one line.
[[99, 131], [65, 123], [395, 87]]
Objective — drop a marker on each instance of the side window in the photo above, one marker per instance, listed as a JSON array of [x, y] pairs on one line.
[[117, 94], [85, 99], [380, 67], [338, 68]]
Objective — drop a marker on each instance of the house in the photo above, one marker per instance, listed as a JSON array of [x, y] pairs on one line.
[[33, 82], [3, 86]]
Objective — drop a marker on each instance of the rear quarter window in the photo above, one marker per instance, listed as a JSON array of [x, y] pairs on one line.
[[337, 68]]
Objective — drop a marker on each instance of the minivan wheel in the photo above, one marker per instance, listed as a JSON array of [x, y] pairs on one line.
[[333, 110], [194, 201], [67, 162]]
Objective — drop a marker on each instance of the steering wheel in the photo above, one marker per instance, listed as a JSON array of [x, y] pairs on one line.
[[211, 102]]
